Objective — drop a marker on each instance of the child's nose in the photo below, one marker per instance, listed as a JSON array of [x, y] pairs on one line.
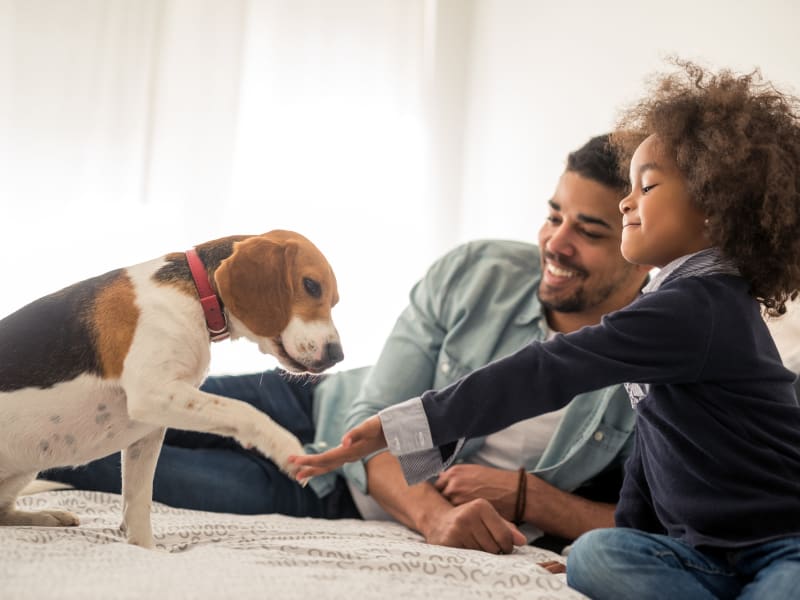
[[625, 205]]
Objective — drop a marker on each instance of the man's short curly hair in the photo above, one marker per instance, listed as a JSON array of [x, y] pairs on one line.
[[736, 139], [596, 160]]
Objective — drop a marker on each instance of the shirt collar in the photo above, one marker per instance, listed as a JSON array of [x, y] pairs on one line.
[[705, 262]]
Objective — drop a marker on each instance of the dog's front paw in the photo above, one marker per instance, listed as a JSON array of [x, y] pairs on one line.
[[274, 442], [283, 446]]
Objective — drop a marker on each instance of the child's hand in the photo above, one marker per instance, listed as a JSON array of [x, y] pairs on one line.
[[360, 441]]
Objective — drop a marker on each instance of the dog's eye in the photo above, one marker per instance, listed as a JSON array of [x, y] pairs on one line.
[[313, 288]]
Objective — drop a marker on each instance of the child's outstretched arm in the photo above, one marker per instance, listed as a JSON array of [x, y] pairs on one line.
[[362, 440]]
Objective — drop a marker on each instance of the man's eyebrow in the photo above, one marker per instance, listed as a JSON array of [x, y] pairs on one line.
[[583, 218], [593, 220]]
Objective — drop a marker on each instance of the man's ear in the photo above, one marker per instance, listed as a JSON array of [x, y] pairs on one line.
[[255, 284]]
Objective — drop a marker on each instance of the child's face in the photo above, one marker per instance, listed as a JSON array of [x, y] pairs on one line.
[[659, 221]]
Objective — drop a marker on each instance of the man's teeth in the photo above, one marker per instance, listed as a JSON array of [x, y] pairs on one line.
[[559, 272]]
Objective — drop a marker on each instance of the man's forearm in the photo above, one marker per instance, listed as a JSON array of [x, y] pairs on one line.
[[560, 513], [413, 506]]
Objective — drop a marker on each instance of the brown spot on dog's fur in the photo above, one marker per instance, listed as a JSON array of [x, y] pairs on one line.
[[190, 404], [115, 316]]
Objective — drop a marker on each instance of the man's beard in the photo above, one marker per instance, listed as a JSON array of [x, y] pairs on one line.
[[572, 304], [580, 300]]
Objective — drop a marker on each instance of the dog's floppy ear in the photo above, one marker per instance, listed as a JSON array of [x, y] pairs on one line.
[[255, 284]]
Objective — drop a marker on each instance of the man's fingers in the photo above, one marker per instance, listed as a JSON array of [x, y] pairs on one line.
[[502, 533], [494, 534], [516, 535]]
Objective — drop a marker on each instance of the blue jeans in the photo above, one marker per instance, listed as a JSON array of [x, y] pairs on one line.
[[626, 563], [204, 471]]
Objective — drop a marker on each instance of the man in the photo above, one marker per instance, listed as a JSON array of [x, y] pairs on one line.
[[478, 303]]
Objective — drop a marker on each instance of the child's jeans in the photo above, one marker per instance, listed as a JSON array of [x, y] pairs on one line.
[[625, 563]]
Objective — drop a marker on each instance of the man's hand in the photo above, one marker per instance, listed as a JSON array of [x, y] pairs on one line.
[[475, 525], [362, 440], [463, 483]]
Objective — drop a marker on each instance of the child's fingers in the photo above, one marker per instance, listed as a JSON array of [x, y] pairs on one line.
[[356, 443], [306, 473], [326, 461]]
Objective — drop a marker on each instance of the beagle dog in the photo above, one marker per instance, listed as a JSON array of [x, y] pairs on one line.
[[109, 363]]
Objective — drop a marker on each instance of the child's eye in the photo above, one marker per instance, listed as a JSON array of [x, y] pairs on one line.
[[647, 188]]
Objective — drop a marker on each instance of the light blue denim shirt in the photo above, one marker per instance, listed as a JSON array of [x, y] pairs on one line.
[[476, 304]]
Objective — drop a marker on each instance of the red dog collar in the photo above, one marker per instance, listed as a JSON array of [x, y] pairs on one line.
[[215, 318]]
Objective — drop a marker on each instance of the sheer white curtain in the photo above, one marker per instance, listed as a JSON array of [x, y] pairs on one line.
[[131, 128]]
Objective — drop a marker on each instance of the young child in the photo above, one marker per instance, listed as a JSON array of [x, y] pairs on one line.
[[710, 506]]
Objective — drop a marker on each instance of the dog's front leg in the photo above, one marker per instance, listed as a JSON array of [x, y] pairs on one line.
[[182, 406], [138, 469]]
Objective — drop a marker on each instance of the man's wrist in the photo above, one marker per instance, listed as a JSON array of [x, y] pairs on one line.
[[430, 510]]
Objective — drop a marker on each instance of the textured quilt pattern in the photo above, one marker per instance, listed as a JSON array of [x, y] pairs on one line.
[[212, 555]]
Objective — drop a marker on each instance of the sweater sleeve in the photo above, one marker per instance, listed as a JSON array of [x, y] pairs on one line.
[[662, 337]]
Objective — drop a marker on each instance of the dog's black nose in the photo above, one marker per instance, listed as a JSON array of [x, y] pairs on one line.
[[333, 352]]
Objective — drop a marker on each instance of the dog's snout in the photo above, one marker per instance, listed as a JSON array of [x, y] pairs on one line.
[[333, 352]]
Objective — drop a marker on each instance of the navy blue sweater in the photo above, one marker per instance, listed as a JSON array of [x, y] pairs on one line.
[[717, 456]]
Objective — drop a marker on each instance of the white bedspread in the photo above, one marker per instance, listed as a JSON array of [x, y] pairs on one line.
[[212, 555]]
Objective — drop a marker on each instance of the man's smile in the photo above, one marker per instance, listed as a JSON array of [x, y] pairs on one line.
[[559, 271]]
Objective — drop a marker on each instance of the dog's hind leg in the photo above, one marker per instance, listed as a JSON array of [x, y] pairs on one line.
[[10, 487], [138, 469]]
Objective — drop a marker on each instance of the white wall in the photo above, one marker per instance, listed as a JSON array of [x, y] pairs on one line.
[[548, 75], [436, 121]]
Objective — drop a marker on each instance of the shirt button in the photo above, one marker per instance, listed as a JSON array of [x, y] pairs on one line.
[[445, 367], [598, 436]]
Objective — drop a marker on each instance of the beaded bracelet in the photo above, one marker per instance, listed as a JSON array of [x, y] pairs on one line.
[[522, 492]]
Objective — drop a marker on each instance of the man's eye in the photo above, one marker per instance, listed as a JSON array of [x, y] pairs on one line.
[[313, 288], [553, 220], [591, 235]]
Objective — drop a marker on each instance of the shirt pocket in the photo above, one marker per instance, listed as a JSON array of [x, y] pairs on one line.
[[448, 370]]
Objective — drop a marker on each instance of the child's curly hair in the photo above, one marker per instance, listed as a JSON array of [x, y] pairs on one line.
[[736, 139]]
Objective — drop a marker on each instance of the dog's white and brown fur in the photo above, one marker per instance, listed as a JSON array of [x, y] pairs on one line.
[[107, 364]]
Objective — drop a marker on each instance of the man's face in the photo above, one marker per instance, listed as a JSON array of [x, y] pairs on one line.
[[583, 270]]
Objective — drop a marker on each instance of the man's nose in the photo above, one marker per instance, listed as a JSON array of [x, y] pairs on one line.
[[562, 241]]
